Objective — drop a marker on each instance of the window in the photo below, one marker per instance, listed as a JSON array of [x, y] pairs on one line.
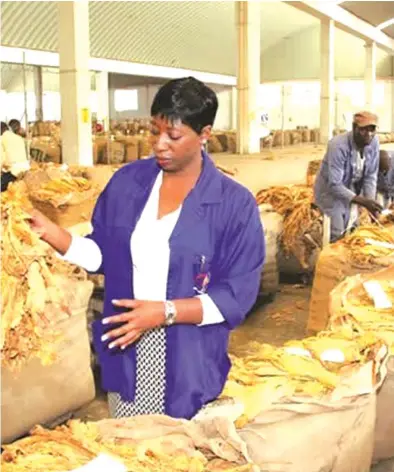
[[126, 99]]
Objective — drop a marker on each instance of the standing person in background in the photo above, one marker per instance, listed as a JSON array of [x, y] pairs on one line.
[[181, 247], [14, 160], [16, 127], [385, 187], [348, 175]]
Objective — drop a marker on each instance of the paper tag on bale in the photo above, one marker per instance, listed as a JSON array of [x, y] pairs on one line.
[[377, 294], [102, 463], [383, 244]]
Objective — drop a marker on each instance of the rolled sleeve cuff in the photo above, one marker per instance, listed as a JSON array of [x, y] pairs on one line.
[[348, 194], [83, 252], [211, 313]]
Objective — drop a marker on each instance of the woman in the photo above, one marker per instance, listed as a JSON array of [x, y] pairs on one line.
[[182, 247]]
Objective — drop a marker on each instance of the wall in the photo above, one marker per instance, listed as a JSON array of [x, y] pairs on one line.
[[146, 92], [298, 57], [298, 103]]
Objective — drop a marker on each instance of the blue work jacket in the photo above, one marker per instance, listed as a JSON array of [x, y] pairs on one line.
[[333, 194], [218, 232], [386, 181]]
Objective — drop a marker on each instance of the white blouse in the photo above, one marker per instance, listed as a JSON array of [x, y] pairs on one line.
[[150, 251]]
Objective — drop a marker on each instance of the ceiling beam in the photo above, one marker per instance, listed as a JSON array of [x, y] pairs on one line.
[[386, 24], [51, 59], [346, 21]]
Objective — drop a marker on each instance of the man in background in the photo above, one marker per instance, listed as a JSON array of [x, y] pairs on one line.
[[14, 159], [385, 186], [16, 127], [348, 175]]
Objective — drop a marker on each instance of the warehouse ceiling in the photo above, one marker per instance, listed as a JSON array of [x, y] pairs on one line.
[[375, 13], [193, 35]]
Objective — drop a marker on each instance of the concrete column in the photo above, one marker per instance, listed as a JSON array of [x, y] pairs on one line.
[[370, 74], [38, 91], [74, 53], [234, 107], [248, 76], [392, 103], [327, 79], [102, 99]]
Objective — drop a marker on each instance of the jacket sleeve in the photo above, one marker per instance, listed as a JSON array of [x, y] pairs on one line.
[[371, 174], [99, 222], [336, 169], [236, 281]]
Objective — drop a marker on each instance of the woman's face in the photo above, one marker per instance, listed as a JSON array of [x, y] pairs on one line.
[[176, 145]]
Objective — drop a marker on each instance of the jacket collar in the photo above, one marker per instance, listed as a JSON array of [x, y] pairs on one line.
[[209, 187]]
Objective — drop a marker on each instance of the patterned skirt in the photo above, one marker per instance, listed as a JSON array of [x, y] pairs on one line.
[[150, 380]]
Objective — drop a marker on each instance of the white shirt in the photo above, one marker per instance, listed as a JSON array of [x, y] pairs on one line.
[[13, 154], [150, 251]]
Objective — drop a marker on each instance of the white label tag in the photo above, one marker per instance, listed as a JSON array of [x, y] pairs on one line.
[[379, 243], [298, 351], [386, 212], [377, 294], [333, 355], [102, 463]]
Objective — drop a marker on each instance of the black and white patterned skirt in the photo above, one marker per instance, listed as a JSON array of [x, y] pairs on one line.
[[150, 379]]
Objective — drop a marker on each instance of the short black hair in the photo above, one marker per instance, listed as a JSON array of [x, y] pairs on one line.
[[188, 100], [4, 127], [14, 124]]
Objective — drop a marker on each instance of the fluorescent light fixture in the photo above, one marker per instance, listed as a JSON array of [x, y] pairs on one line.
[[51, 59]]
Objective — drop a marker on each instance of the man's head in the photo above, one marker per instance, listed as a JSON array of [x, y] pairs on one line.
[[364, 128], [183, 112], [4, 127], [15, 126], [384, 161]]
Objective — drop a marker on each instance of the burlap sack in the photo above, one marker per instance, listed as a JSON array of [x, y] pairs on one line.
[[100, 175], [332, 267], [312, 171], [222, 137], [300, 437], [40, 394], [231, 142], [145, 146], [306, 135], [133, 149], [384, 430], [214, 145], [273, 226], [295, 137], [214, 434], [71, 213]]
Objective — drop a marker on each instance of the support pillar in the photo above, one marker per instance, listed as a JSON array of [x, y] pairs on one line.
[[102, 99], [248, 76], [74, 53], [370, 74], [392, 102], [327, 80], [38, 92], [234, 108]]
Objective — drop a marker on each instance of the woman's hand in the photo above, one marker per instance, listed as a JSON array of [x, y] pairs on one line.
[[39, 223], [50, 232], [142, 316]]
